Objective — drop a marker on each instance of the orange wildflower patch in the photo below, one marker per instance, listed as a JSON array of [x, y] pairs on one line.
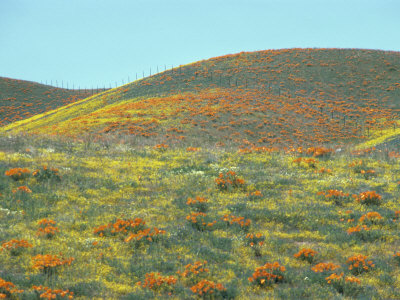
[[198, 203], [323, 267], [306, 254], [268, 274], [154, 281], [161, 147], [336, 195], [228, 181], [22, 189], [334, 278], [207, 287], [357, 228], [194, 269], [319, 151], [359, 263], [193, 149], [371, 217], [307, 162], [199, 221], [120, 226], [368, 198], [48, 293], [15, 246], [48, 263], [255, 195], [46, 228], [18, 173], [241, 221], [147, 234], [8, 288]]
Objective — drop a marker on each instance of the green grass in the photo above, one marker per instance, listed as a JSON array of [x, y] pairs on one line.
[[100, 183]]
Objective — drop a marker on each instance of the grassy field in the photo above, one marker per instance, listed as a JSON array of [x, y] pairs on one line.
[[259, 175], [122, 213]]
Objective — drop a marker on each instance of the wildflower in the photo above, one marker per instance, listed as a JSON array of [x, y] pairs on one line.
[[268, 274], [18, 173], [359, 263], [155, 281], [306, 254], [322, 267], [369, 197], [15, 246], [46, 228], [22, 189], [48, 263], [207, 287]]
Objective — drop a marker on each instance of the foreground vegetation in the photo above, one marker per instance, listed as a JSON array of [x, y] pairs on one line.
[[97, 220]]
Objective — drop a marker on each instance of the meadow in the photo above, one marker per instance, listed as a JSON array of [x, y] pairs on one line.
[[264, 175], [96, 220]]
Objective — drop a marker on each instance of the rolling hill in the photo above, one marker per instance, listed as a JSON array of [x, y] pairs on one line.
[[189, 218], [21, 99], [279, 98]]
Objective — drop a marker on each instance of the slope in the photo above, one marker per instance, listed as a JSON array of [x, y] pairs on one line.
[[21, 99], [267, 98]]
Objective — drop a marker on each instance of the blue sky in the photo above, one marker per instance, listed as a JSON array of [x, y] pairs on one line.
[[91, 43]]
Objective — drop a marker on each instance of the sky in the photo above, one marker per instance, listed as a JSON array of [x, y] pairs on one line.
[[90, 43]]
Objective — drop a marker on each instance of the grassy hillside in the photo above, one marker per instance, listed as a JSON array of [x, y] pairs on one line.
[[208, 182], [21, 99], [268, 98], [128, 223]]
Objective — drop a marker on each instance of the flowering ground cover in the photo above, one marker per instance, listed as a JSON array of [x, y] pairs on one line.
[[273, 98], [127, 222], [21, 99]]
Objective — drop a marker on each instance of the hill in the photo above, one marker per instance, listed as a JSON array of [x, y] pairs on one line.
[[277, 98], [21, 99]]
